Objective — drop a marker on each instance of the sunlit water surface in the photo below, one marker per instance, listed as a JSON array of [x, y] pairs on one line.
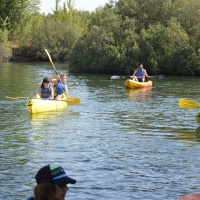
[[118, 143]]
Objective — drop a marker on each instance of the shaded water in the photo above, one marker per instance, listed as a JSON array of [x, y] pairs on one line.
[[118, 144]]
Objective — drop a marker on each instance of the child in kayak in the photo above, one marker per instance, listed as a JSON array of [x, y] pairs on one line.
[[61, 89], [45, 91]]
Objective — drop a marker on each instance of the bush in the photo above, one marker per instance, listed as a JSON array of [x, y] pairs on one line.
[[5, 50]]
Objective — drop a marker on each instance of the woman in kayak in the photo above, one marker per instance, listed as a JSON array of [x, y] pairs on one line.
[[45, 91], [51, 183], [140, 74], [61, 89]]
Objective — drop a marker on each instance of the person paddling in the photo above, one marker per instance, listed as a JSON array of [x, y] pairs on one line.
[[61, 89], [140, 74], [45, 91]]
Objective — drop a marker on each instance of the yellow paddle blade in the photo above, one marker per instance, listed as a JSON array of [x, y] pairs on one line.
[[72, 101], [188, 104]]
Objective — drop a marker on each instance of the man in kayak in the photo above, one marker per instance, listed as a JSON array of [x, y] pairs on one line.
[[51, 183], [60, 85], [45, 91], [140, 74]]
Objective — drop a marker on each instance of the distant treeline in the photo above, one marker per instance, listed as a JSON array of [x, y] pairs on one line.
[[163, 35]]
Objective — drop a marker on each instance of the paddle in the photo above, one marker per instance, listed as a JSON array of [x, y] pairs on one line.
[[188, 104], [69, 100], [53, 64], [157, 76], [72, 101], [14, 98]]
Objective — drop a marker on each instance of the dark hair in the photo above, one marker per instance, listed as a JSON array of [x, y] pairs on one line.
[[45, 191], [45, 80]]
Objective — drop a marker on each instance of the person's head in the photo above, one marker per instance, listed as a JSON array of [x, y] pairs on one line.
[[140, 65], [63, 78], [45, 83], [52, 183]]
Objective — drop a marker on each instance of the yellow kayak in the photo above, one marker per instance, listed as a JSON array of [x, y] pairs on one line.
[[43, 105], [134, 84]]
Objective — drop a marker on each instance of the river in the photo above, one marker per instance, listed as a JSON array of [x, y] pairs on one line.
[[117, 144]]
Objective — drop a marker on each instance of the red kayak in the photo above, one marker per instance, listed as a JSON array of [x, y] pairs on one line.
[[190, 197]]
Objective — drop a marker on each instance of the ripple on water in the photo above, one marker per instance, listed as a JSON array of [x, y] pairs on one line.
[[117, 144]]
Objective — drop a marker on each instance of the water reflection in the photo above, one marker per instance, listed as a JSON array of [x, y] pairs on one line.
[[46, 119], [197, 117], [189, 135], [197, 133], [138, 93], [45, 115]]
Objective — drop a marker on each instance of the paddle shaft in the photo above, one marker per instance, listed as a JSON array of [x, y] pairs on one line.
[[17, 97], [157, 76]]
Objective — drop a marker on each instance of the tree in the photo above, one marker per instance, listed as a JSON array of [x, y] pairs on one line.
[[109, 46], [13, 11], [5, 51], [56, 36]]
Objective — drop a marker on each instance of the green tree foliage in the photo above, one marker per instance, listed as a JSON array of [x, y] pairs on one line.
[[104, 48], [13, 12], [5, 51], [56, 36], [187, 13], [150, 41], [57, 32], [164, 35]]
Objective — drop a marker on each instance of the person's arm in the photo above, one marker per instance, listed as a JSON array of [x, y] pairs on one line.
[[54, 80], [38, 95], [52, 93], [66, 91], [133, 76], [146, 75]]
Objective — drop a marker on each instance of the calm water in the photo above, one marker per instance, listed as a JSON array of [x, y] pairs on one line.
[[118, 144]]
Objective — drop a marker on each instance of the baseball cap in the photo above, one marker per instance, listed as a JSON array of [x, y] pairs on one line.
[[45, 80], [53, 173]]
